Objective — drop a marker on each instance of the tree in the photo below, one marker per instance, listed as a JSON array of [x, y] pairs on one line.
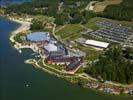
[[113, 66]]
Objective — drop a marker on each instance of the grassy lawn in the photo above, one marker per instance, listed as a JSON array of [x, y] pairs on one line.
[[69, 30], [92, 23], [19, 37], [57, 27], [44, 19], [80, 70], [73, 37], [91, 53], [59, 67], [50, 69], [100, 6]]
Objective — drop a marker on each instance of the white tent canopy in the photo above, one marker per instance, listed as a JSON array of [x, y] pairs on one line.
[[97, 43]]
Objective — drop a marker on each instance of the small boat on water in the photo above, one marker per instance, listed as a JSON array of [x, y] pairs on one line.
[[20, 51], [27, 85]]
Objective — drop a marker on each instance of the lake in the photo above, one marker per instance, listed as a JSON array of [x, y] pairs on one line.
[[3, 2]]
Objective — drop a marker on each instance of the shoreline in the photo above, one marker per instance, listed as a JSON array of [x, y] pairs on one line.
[[24, 27], [68, 78]]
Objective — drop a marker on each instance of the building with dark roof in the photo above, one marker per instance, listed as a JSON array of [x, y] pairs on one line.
[[59, 59], [74, 62], [56, 53]]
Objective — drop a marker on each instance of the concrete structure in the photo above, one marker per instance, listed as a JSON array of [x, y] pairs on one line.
[[81, 40], [38, 36], [97, 43], [55, 50], [51, 47]]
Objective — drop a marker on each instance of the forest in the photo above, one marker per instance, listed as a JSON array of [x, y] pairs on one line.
[[71, 11], [115, 65], [122, 11]]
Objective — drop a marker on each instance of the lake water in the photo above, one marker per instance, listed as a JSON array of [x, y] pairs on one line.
[[15, 76], [3, 2]]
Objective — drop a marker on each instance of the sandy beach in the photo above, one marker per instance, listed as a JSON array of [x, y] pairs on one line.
[[25, 26]]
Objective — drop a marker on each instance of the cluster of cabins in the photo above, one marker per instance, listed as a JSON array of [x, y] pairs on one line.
[[54, 51], [114, 32]]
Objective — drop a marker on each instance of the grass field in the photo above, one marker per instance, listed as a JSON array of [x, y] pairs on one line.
[[69, 30], [80, 70], [92, 23], [59, 67], [19, 37], [100, 6], [44, 19], [91, 53]]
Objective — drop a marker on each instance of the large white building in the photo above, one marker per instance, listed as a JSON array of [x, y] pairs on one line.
[[51, 47], [97, 43]]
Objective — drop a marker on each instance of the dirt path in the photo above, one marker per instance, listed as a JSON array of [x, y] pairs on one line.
[[59, 29]]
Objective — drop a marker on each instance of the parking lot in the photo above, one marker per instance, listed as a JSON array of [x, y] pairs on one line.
[[114, 32]]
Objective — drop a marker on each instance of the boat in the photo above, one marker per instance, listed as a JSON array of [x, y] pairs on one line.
[[20, 51]]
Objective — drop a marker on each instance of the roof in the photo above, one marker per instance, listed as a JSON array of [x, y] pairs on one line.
[[73, 65], [97, 43], [38, 36], [51, 47], [56, 53]]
